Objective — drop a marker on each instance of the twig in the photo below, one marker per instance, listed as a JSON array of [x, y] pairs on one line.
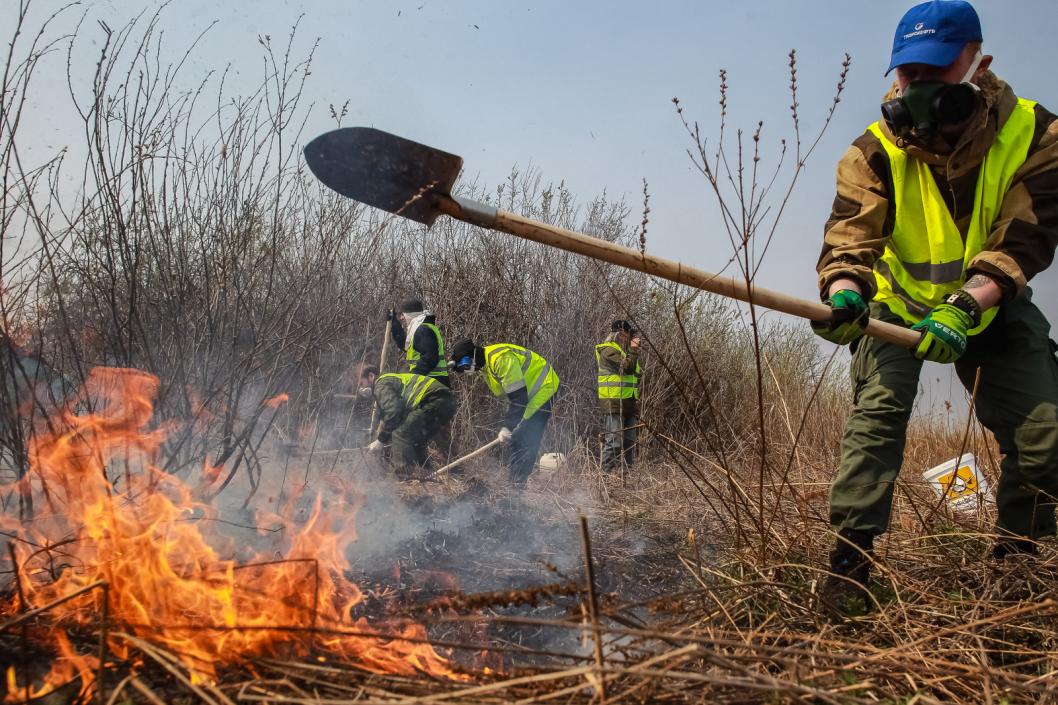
[[119, 689], [51, 605], [24, 636], [158, 657], [439, 697], [103, 617], [593, 606], [146, 692]]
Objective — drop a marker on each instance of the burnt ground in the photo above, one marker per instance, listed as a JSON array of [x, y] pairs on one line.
[[516, 556], [439, 551]]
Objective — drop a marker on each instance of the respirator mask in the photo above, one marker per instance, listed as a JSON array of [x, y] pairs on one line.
[[464, 364], [925, 107]]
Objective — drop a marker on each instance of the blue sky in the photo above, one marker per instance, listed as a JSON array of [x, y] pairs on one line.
[[581, 91]]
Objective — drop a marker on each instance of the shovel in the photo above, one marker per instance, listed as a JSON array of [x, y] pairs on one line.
[[415, 181], [381, 367], [460, 461]]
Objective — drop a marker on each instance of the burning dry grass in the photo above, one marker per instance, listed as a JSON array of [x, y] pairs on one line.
[[132, 557], [682, 616]]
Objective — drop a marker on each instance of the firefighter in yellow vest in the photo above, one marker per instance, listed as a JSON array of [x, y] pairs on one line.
[[945, 209], [617, 363], [528, 382], [414, 329], [413, 408]]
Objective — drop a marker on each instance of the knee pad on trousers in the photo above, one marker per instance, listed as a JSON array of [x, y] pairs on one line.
[[1037, 448]]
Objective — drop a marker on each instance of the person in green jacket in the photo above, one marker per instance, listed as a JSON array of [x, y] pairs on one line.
[[945, 209], [413, 408], [528, 382], [617, 360]]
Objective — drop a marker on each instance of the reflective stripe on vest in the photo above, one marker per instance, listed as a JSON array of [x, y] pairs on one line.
[[441, 368], [926, 258], [615, 386], [413, 388], [535, 375]]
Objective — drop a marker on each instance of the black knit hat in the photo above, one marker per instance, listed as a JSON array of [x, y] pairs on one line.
[[461, 349], [411, 306], [623, 326]]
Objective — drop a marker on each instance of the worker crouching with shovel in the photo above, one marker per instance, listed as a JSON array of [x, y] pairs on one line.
[[528, 382], [413, 408]]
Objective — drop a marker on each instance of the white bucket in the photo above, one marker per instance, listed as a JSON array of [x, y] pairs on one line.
[[960, 482], [549, 462]]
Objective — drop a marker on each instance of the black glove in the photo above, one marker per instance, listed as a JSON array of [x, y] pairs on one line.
[[391, 316]]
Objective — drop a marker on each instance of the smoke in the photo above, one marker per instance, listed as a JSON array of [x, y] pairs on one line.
[[468, 527]]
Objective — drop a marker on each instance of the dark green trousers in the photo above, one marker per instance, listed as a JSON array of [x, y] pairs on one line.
[[409, 440], [1017, 400], [524, 448]]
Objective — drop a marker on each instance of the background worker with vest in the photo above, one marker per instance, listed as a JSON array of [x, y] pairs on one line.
[[413, 408], [528, 382], [617, 360], [945, 209], [415, 330]]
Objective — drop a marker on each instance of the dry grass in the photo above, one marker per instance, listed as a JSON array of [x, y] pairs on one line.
[[681, 618]]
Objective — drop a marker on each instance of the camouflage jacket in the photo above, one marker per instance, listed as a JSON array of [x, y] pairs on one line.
[[1024, 235], [616, 363]]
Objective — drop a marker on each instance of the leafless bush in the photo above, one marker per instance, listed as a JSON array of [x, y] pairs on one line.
[[200, 249]]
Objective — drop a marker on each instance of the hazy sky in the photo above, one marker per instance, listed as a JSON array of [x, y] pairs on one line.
[[581, 91]]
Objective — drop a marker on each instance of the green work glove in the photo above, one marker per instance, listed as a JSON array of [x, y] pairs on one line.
[[847, 322], [943, 334]]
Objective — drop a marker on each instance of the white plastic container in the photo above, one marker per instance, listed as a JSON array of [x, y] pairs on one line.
[[960, 482], [550, 462]]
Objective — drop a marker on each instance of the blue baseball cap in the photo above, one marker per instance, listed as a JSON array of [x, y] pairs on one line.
[[934, 33]]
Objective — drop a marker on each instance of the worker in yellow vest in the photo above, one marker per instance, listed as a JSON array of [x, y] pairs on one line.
[[414, 329], [528, 382], [945, 209], [413, 408], [617, 363]]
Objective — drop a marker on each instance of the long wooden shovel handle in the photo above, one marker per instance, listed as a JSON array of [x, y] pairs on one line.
[[468, 456], [481, 214], [381, 369]]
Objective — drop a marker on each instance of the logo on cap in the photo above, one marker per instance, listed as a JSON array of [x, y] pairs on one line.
[[919, 31]]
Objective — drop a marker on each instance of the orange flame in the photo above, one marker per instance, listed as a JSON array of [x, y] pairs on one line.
[[166, 583], [277, 401], [210, 472]]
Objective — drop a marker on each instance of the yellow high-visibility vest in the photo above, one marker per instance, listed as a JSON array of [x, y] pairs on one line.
[[616, 386], [441, 368], [509, 368], [925, 259], [413, 387]]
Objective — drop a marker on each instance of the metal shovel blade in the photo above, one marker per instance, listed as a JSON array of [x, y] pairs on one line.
[[384, 171]]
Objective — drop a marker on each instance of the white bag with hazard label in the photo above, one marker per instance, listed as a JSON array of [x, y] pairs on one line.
[[960, 482]]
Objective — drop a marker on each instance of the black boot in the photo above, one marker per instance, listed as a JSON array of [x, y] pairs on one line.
[[1017, 574], [846, 589], [1014, 546]]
